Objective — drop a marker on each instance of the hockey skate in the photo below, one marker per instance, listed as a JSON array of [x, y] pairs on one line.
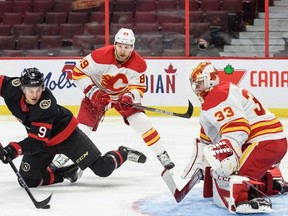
[[165, 160], [280, 185], [70, 172], [133, 155], [254, 206], [58, 162]]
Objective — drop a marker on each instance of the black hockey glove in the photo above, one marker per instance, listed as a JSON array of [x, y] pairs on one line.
[[9, 152]]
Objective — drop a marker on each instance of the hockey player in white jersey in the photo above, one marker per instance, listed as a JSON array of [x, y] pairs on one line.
[[114, 76], [241, 145]]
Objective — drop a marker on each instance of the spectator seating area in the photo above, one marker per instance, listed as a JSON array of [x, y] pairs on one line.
[[53, 28]]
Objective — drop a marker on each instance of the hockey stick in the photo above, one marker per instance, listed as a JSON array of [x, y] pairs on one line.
[[180, 194], [187, 114], [38, 204]]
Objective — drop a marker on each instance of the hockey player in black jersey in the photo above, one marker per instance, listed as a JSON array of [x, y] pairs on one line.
[[52, 129]]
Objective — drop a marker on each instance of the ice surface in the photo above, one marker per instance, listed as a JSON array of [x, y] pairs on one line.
[[133, 189]]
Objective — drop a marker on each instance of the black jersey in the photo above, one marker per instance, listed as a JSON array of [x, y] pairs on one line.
[[46, 122]]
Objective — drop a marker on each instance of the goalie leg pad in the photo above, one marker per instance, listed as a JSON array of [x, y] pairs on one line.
[[229, 191], [233, 193], [197, 160]]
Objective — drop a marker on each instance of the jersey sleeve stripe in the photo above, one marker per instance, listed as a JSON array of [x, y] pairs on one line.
[[266, 123], [203, 135], [77, 74], [260, 132], [236, 125], [34, 136]]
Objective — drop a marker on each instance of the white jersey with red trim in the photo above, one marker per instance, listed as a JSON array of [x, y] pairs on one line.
[[230, 112], [109, 75]]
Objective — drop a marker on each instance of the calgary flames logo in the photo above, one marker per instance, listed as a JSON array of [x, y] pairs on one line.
[[115, 83]]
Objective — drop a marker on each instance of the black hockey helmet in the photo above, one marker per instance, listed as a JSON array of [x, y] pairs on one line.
[[32, 77]]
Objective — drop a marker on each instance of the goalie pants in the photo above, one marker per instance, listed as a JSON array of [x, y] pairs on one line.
[[259, 157]]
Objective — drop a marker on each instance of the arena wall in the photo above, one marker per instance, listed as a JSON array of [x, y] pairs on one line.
[[167, 82]]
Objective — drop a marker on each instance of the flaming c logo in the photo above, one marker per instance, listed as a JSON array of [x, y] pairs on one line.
[[115, 83]]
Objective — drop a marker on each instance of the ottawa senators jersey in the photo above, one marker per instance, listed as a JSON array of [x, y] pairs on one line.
[[111, 76], [46, 122], [230, 112]]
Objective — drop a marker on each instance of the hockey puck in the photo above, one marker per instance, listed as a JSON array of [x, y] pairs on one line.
[[46, 207]]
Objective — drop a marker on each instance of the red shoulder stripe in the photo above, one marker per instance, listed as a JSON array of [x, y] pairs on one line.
[[1, 83], [64, 134]]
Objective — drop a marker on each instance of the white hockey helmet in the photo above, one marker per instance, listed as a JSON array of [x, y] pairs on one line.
[[203, 78], [125, 36]]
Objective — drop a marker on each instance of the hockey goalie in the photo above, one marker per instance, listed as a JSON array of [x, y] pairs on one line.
[[240, 147]]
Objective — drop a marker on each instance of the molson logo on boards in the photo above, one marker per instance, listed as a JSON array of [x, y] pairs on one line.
[[231, 75], [162, 84], [64, 80], [68, 69], [61, 83]]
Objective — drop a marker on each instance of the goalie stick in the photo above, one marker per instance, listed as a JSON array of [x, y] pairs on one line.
[[38, 204], [187, 114], [180, 194]]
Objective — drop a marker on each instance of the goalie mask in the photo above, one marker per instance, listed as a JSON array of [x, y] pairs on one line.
[[203, 78], [32, 77]]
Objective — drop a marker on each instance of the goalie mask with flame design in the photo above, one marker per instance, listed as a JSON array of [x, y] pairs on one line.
[[203, 78]]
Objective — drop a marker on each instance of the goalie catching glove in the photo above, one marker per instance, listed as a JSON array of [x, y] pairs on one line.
[[10, 152], [97, 97], [223, 157]]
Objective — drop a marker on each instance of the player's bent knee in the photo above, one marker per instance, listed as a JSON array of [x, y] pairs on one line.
[[101, 167]]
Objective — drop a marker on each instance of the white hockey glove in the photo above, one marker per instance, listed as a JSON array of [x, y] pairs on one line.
[[197, 160], [223, 157]]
